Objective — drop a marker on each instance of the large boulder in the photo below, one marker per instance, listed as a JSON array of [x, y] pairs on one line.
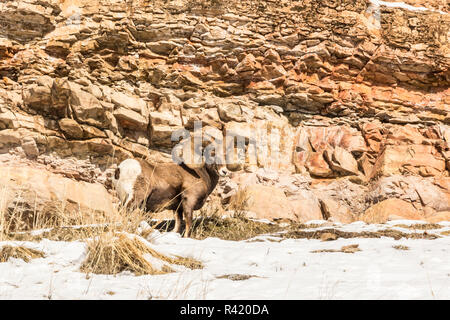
[[317, 165], [436, 217], [306, 206], [341, 161], [87, 108], [263, 202], [336, 211], [123, 100], [35, 197], [423, 160], [130, 119], [390, 209]]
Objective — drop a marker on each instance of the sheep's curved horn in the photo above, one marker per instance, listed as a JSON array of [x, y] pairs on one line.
[[191, 154]]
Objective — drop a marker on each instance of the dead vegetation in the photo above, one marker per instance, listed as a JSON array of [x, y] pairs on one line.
[[227, 228], [74, 229], [25, 217], [213, 221], [112, 254], [210, 223], [19, 252], [237, 277], [231, 228], [317, 234], [345, 249], [328, 236], [213, 207], [110, 251], [297, 225], [71, 233], [400, 247], [239, 202], [419, 226]]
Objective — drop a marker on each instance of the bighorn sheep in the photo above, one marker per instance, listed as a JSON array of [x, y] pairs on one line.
[[179, 187]]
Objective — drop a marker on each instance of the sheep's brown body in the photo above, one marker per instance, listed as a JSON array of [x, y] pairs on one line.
[[173, 187]]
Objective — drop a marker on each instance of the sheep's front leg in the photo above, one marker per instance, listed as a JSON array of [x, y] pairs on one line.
[[178, 218], [187, 212]]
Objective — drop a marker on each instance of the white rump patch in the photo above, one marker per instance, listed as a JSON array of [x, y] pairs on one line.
[[130, 169]]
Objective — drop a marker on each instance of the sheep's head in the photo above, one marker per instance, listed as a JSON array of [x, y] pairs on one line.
[[200, 150]]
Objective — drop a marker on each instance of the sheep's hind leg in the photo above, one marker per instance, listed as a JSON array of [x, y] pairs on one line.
[[187, 213]]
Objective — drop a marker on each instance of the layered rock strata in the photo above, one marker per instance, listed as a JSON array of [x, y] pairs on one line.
[[356, 92]]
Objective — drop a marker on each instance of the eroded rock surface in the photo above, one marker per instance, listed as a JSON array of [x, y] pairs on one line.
[[357, 93]]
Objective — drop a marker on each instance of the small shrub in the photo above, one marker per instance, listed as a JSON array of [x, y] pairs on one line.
[[231, 228], [26, 254], [400, 247], [111, 254]]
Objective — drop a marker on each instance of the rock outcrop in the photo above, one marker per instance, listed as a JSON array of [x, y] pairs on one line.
[[355, 94], [36, 198]]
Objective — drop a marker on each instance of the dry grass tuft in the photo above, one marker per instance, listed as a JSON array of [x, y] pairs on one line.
[[25, 214], [237, 277], [74, 233], [111, 254], [298, 225], [345, 249], [213, 207], [70, 233], [231, 228], [419, 226], [75, 229], [187, 262], [26, 254], [317, 234], [328, 236], [400, 247], [239, 202], [25, 217], [446, 233]]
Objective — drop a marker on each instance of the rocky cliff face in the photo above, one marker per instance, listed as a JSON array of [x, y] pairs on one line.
[[357, 91]]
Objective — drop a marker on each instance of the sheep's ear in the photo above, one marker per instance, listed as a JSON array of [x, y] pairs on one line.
[[117, 174]]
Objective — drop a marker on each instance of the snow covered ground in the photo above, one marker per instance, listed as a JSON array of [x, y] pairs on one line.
[[269, 267]]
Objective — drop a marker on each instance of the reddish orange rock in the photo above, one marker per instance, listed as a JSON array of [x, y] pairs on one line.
[[438, 217], [390, 209], [423, 160]]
